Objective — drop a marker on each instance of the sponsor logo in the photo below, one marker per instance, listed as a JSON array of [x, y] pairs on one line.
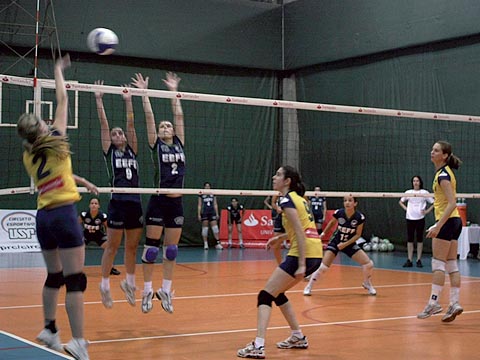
[[251, 221], [56, 183], [19, 225]]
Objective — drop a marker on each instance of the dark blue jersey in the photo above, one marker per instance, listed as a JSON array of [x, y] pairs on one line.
[[347, 227], [317, 204], [235, 212], [169, 161], [93, 226], [208, 201], [122, 168]]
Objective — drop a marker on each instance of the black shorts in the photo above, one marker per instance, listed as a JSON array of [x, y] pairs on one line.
[[451, 229], [99, 240], [210, 216], [59, 227], [277, 224], [235, 219], [125, 214], [318, 218], [165, 211], [290, 265], [350, 250]]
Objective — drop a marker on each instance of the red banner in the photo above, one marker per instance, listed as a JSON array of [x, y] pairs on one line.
[[257, 228]]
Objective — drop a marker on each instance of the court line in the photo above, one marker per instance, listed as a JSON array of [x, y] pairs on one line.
[[222, 332], [44, 348], [213, 296]]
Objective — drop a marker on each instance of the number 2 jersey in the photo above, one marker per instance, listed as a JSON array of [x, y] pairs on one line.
[[122, 168], [347, 226], [169, 163], [52, 176]]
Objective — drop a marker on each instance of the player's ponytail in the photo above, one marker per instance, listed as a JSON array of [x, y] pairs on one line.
[[296, 183]]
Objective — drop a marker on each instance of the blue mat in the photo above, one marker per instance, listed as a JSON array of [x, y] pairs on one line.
[[15, 348]]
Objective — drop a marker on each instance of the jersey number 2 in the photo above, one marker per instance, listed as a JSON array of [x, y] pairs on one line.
[[41, 171]]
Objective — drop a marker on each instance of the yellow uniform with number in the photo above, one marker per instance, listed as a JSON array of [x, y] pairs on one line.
[[53, 177], [313, 246], [441, 202]]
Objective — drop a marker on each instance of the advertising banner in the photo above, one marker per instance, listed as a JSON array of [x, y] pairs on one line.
[[257, 228], [18, 231]]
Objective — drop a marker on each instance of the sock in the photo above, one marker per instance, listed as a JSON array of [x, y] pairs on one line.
[[131, 279], [298, 334], [50, 325], [454, 295], [147, 287], [167, 285], [259, 342], [436, 290], [105, 284]]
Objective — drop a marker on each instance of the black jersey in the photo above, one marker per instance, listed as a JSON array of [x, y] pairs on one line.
[[93, 229], [169, 163], [208, 202], [347, 227], [317, 204], [122, 168], [235, 212]]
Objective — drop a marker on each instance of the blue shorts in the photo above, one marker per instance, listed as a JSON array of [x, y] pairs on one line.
[[165, 211], [210, 216], [290, 265], [451, 229], [318, 218], [350, 250], [277, 224], [125, 214], [59, 227]]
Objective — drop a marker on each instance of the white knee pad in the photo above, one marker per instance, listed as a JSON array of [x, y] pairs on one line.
[[204, 230], [438, 265], [451, 266], [215, 229]]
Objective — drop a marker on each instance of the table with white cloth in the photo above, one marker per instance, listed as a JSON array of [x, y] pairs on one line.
[[469, 235]]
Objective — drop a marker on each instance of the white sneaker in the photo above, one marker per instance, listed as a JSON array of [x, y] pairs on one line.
[[50, 339], [452, 312], [129, 292], [77, 348], [307, 291], [205, 246], [430, 309], [250, 351], [147, 302], [293, 342], [166, 299], [219, 246], [106, 298], [368, 286]]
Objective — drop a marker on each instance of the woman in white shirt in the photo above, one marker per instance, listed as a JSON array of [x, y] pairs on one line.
[[416, 209]]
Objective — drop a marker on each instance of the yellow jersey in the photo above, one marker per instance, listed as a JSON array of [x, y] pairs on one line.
[[313, 248], [440, 203], [53, 178]]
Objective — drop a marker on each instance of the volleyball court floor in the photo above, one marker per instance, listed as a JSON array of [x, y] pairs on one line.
[[215, 311]]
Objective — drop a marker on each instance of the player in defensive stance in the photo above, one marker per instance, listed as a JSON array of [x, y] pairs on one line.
[[349, 229]]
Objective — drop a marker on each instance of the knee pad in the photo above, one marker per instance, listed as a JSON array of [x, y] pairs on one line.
[[76, 282], [150, 250], [281, 299], [451, 266], [55, 280], [265, 298], [438, 265], [170, 252], [215, 229], [204, 230]]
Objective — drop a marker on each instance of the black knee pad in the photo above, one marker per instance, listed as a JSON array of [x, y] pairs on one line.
[[76, 282], [265, 298], [281, 299], [55, 280]]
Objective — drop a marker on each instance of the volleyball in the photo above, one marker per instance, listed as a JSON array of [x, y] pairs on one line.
[[102, 41]]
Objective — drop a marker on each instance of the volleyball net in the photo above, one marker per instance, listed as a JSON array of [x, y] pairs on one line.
[[233, 143]]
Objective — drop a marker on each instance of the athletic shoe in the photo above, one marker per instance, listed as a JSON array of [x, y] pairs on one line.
[[129, 292], [106, 298], [250, 351], [368, 286], [430, 309], [452, 312], [147, 302], [219, 246], [293, 342], [205, 246], [114, 271], [419, 263], [166, 299], [230, 245], [242, 246], [50, 339], [77, 348], [307, 291], [408, 263]]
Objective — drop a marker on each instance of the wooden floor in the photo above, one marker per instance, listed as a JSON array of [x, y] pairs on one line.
[[215, 314]]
